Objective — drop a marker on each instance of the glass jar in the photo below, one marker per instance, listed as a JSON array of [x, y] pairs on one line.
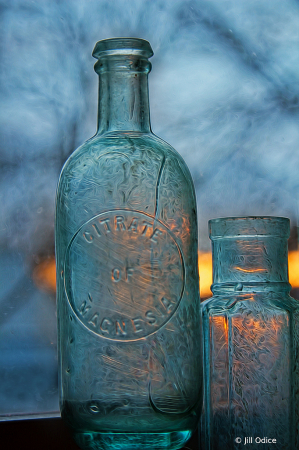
[[127, 275], [251, 339]]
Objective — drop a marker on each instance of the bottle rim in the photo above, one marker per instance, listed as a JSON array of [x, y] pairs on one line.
[[249, 226], [122, 46]]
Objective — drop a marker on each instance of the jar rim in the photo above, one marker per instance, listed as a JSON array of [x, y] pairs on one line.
[[250, 226], [122, 46]]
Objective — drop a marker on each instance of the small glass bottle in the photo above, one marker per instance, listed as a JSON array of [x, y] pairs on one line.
[[127, 275], [251, 339]]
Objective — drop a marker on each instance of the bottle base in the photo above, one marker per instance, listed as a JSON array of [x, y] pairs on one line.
[[132, 441]]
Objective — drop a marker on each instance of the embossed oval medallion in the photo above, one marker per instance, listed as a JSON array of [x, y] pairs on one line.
[[124, 275]]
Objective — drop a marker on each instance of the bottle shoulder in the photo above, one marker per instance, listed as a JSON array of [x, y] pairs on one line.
[[133, 149], [236, 304], [123, 142], [127, 170]]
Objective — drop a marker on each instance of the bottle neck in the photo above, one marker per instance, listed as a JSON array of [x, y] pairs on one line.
[[123, 93], [258, 261]]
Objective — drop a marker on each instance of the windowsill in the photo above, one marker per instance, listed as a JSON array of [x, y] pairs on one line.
[[47, 434]]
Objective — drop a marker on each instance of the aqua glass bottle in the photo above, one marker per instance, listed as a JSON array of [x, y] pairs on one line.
[[127, 275], [251, 339]]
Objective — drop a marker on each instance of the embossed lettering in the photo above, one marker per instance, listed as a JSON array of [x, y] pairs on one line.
[[151, 318], [120, 223], [88, 236], [133, 225], [167, 304], [129, 273], [95, 226], [104, 326], [154, 235], [116, 275], [94, 320], [120, 327], [146, 225], [106, 224], [137, 325], [108, 290], [84, 308]]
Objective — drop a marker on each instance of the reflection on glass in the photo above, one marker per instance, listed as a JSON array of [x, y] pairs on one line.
[[127, 273], [251, 337]]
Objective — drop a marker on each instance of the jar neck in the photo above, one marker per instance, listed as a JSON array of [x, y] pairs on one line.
[[250, 260], [123, 93]]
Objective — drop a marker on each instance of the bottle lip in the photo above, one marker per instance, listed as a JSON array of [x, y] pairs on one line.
[[249, 226], [122, 46]]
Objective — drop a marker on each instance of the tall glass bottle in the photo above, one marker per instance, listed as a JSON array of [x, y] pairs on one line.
[[127, 277], [251, 339]]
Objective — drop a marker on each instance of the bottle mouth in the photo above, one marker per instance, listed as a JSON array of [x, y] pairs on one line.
[[252, 226], [122, 46]]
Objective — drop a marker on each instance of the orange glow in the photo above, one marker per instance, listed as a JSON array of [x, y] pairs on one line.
[[260, 333], [225, 327], [205, 271], [44, 275], [250, 270], [294, 268]]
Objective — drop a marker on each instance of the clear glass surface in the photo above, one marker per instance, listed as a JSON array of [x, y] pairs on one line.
[[223, 92], [251, 339], [128, 299]]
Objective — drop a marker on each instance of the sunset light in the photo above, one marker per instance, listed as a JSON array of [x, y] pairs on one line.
[[44, 274]]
